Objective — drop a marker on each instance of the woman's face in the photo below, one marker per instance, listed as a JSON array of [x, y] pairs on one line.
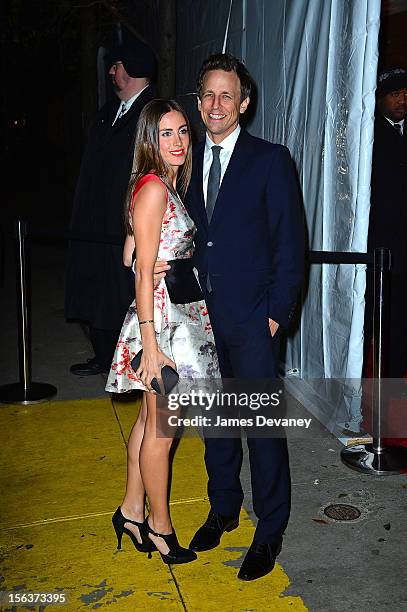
[[173, 138]]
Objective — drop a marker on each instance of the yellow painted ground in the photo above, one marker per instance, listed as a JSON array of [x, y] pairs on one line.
[[62, 474]]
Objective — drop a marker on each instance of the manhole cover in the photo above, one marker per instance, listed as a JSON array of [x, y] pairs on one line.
[[342, 512]]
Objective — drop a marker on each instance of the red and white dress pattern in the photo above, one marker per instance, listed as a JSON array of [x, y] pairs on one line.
[[183, 331]]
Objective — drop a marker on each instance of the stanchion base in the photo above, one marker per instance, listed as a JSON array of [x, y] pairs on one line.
[[393, 459], [16, 394]]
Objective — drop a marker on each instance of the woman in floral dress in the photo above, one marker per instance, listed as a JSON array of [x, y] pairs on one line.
[[178, 335]]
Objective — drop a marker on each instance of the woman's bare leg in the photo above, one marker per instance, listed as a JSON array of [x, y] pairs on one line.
[[154, 466], [134, 498]]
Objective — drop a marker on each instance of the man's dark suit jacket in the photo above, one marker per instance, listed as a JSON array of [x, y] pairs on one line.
[[99, 288], [387, 228], [388, 213], [253, 248]]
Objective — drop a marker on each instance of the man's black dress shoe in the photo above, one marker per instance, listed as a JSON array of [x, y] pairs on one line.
[[259, 560], [208, 536], [90, 368]]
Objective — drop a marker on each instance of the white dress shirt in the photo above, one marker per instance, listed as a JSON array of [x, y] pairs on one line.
[[125, 106], [400, 123], [228, 146]]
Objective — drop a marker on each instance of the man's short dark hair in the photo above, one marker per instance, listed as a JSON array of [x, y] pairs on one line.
[[228, 63]]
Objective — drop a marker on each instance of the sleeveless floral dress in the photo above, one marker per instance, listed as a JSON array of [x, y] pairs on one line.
[[183, 331]]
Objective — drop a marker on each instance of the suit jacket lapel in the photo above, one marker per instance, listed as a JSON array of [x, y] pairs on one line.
[[235, 169], [198, 196], [135, 108]]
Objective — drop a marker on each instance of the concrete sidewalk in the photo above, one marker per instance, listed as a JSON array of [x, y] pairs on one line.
[[63, 470]]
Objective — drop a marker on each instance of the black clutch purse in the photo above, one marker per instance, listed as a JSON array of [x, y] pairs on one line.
[[169, 376], [182, 284]]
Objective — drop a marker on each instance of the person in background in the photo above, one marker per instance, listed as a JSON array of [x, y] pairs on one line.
[[98, 287], [388, 212]]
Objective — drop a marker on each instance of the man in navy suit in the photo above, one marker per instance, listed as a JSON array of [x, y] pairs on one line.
[[249, 247]]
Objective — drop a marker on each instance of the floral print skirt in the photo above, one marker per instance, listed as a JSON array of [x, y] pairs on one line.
[[183, 333]]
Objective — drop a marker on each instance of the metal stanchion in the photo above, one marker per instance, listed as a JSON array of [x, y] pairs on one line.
[[376, 458], [25, 391]]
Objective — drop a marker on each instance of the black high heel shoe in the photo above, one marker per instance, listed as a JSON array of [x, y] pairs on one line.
[[118, 520], [176, 554]]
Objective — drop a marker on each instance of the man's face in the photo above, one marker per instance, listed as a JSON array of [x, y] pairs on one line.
[[394, 104], [120, 78], [220, 104]]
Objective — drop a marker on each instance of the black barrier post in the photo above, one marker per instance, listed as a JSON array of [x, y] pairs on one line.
[[376, 458], [24, 337], [25, 391]]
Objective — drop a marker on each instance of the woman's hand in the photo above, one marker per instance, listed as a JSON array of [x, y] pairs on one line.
[[152, 361], [128, 251], [273, 327], [160, 269]]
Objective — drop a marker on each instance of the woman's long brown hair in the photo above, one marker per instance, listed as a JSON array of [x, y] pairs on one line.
[[147, 156]]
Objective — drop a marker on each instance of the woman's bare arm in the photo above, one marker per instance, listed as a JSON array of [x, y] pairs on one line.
[[149, 208]]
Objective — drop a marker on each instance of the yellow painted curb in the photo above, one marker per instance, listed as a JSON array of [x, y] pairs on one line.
[[62, 467]]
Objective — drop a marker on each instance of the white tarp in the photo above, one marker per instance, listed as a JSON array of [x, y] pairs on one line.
[[315, 63]]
